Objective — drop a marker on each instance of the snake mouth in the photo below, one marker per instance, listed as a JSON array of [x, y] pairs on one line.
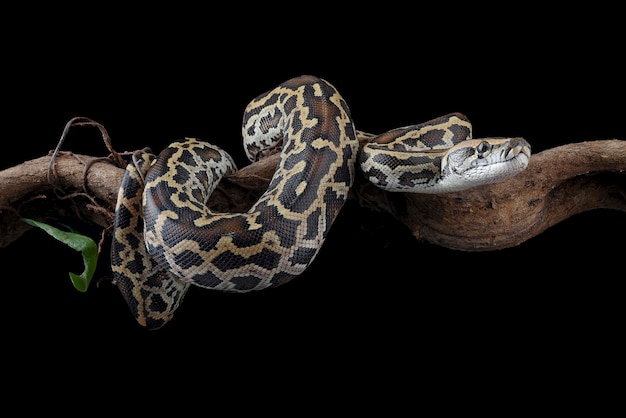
[[518, 147]]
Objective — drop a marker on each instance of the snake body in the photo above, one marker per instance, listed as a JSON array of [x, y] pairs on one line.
[[280, 235], [166, 238]]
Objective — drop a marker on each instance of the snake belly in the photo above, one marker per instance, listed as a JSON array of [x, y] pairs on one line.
[[184, 242]]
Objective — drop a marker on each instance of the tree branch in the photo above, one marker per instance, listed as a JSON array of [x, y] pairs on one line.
[[558, 183]]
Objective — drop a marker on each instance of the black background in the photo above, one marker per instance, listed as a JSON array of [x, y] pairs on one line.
[[375, 299]]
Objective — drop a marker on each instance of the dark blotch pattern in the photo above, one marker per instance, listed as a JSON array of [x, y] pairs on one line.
[[296, 193]]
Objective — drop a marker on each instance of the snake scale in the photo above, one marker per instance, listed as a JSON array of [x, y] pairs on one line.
[[166, 238]]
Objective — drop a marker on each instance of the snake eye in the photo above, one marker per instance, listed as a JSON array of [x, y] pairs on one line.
[[483, 148]]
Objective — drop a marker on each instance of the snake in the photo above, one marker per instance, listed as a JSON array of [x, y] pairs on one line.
[[166, 238]]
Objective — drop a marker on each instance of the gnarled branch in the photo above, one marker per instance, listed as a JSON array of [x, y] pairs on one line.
[[558, 183]]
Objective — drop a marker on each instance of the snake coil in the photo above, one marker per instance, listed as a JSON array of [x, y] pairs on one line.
[[276, 240]]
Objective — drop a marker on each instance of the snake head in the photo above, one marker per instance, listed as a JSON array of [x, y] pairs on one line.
[[476, 162]]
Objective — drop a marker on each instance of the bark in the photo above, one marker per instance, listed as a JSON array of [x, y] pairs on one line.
[[558, 183]]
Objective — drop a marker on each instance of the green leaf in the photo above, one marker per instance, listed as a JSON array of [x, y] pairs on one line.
[[78, 242]]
